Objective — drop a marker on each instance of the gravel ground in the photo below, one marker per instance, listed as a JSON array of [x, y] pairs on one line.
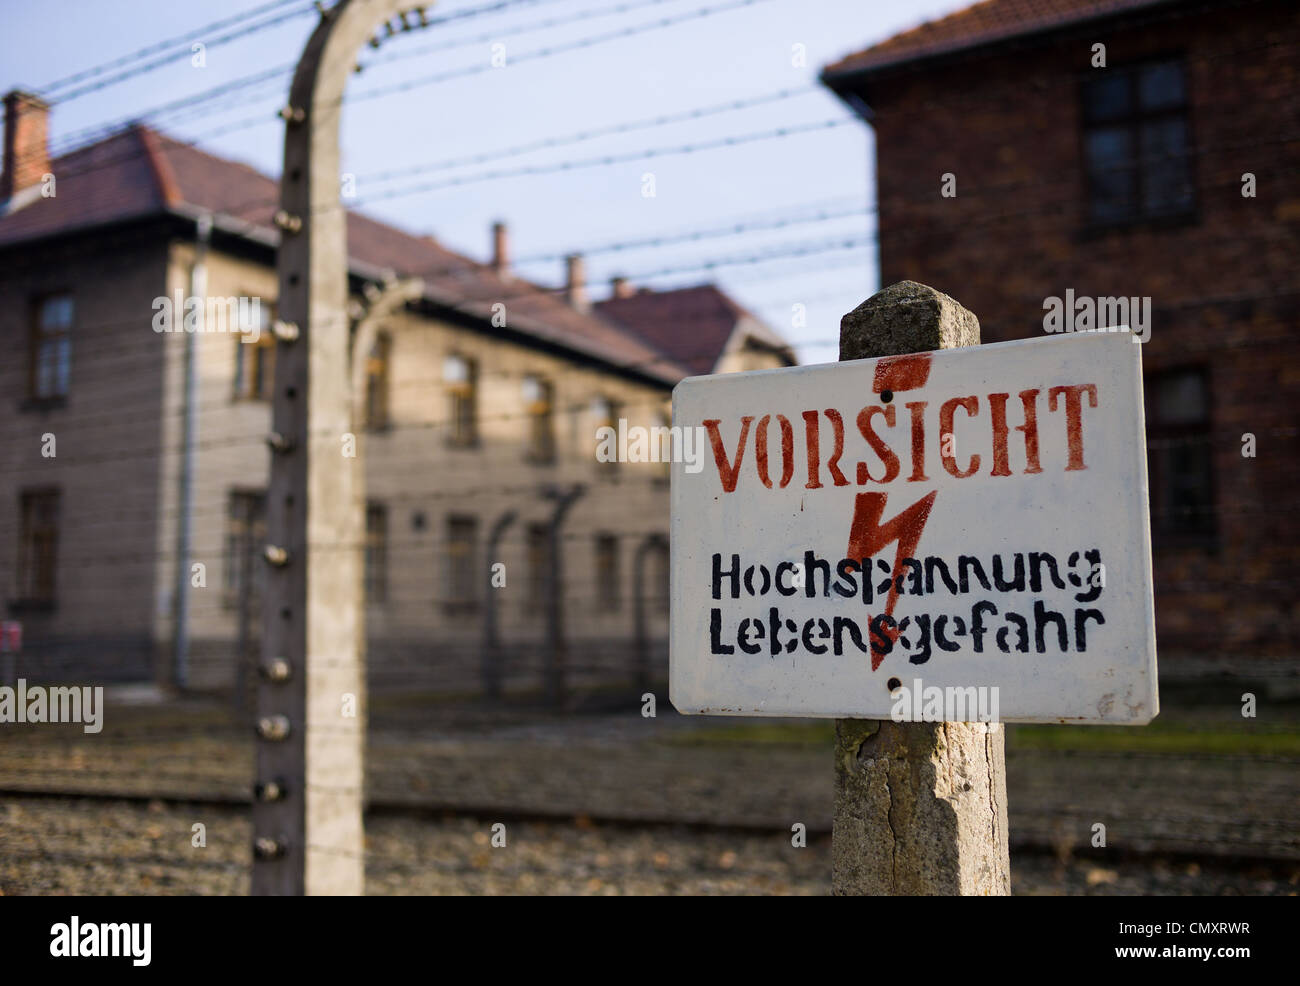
[[680, 806], [79, 846], [624, 768]]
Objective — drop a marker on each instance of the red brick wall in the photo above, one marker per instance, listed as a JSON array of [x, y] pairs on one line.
[[1224, 285], [26, 150]]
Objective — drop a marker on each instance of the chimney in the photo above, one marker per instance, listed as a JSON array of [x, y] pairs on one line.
[[27, 151], [500, 248], [576, 287], [621, 287]]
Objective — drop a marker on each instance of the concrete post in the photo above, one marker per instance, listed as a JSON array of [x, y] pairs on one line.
[[556, 649], [307, 826], [381, 302], [920, 808]]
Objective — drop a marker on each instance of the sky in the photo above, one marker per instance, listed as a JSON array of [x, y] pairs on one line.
[[505, 75]]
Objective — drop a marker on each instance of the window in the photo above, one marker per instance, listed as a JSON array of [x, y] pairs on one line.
[[255, 360], [376, 563], [51, 346], [245, 534], [1136, 143], [462, 547], [375, 410], [38, 546], [605, 414], [608, 588], [460, 376], [656, 577], [664, 447], [539, 564], [539, 405], [1179, 454]]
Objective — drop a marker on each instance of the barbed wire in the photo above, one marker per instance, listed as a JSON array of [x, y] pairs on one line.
[[280, 72], [734, 140], [796, 250], [914, 232], [159, 448], [224, 402], [944, 105], [167, 59], [153, 49], [448, 75], [407, 546], [609, 10], [406, 85], [592, 133]]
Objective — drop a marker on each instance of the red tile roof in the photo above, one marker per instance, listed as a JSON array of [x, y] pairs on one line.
[[103, 183], [691, 326], [976, 25], [139, 172]]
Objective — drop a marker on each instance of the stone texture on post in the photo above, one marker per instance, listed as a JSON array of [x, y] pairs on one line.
[[906, 318], [920, 808]]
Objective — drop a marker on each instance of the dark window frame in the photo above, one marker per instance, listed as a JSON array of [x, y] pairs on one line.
[[537, 541], [663, 470], [245, 533], [542, 447], [375, 560], [37, 591], [1132, 122], [261, 355], [462, 406], [463, 591], [375, 408], [614, 409], [607, 565], [1165, 439], [658, 577], [37, 338]]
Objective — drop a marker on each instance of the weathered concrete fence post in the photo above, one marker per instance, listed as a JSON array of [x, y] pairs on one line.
[[307, 813], [920, 807]]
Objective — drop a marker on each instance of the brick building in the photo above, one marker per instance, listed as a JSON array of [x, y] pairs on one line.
[[1137, 149], [478, 397]]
